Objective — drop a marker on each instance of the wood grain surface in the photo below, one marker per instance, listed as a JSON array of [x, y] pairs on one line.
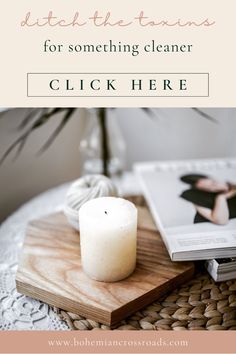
[[50, 270]]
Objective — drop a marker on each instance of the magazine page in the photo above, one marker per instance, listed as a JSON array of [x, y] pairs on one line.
[[193, 203]]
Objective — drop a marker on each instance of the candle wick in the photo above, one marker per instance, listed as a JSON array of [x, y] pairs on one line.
[[106, 212]]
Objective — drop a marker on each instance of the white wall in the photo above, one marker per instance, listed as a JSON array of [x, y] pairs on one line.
[[175, 133], [30, 174]]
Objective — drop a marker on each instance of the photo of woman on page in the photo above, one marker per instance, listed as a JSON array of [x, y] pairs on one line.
[[214, 200]]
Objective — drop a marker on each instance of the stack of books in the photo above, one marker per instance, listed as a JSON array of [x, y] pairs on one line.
[[193, 203], [222, 269]]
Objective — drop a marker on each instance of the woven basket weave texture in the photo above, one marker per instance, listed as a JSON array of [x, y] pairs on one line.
[[201, 304]]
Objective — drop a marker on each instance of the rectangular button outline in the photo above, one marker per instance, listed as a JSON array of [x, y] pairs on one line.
[[117, 73]]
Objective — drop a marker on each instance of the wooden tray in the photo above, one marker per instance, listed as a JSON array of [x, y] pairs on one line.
[[50, 270]]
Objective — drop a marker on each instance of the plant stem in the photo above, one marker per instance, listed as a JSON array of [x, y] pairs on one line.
[[105, 150]]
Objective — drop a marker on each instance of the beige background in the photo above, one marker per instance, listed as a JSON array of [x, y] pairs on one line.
[[213, 49], [173, 134]]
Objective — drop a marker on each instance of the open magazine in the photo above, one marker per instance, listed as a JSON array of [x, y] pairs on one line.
[[194, 206]]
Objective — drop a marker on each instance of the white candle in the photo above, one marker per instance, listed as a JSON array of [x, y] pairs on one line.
[[108, 237]]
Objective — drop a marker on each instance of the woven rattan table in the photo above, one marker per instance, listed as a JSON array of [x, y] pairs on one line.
[[198, 305], [201, 304]]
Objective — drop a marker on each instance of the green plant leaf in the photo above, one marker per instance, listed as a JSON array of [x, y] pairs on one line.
[[205, 115], [57, 131]]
